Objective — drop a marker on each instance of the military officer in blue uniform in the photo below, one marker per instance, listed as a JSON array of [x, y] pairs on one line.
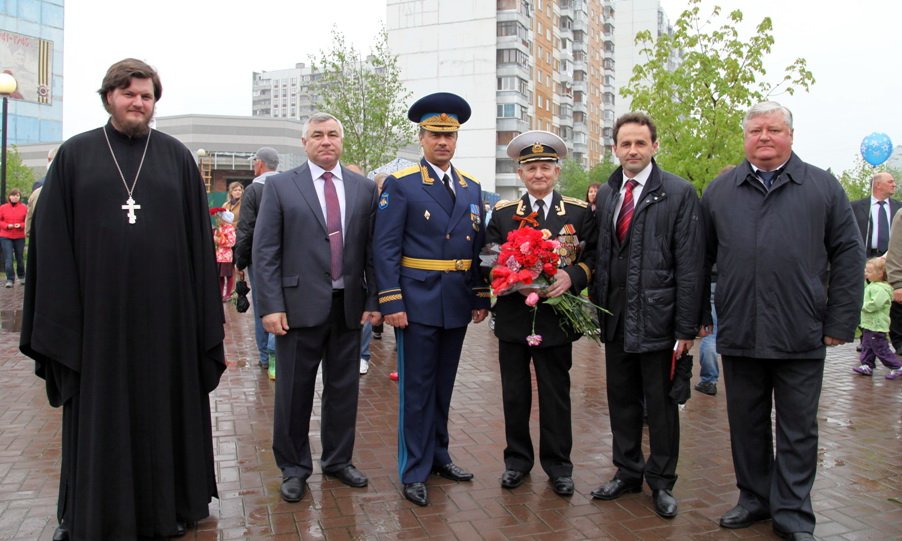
[[572, 223], [428, 234]]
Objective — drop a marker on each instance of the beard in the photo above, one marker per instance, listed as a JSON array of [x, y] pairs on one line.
[[132, 128]]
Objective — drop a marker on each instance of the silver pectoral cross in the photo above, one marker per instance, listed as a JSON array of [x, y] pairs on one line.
[[131, 207]]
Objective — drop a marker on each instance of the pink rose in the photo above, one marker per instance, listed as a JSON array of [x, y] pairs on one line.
[[532, 299], [534, 339]]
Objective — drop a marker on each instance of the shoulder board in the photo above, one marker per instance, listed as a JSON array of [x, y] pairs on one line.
[[468, 176], [501, 205], [574, 201], [406, 171]]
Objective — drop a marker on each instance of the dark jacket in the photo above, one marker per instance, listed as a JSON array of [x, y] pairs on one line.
[[250, 204], [862, 210], [513, 318], [775, 297], [665, 255]]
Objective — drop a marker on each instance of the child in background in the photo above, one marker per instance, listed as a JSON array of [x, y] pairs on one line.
[[224, 238], [878, 297]]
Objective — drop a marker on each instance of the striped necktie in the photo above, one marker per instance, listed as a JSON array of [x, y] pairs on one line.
[[626, 211]]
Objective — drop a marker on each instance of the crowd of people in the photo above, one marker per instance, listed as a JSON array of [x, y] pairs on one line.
[[131, 352]]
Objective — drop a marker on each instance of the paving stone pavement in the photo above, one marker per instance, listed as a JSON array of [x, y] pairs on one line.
[[857, 495]]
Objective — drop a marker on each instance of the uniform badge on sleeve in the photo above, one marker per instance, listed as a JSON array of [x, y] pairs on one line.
[[383, 201]]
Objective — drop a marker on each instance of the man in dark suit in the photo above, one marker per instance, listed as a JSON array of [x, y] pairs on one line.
[[874, 216], [569, 221], [649, 276], [789, 283], [429, 231], [311, 251]]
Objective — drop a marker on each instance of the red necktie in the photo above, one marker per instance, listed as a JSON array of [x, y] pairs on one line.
[[333, 224], [626, 211]]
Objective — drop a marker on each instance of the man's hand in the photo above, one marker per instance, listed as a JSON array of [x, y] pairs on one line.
[[830, 341], [479, 315], [705, 330], [683, 346], [276, 323], [560, 285], [374, 318], [897, 295], [398, 320]]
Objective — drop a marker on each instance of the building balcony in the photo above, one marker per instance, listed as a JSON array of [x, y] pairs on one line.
[[511, 124]]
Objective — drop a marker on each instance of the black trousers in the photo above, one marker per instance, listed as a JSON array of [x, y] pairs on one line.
[[895, 326], [298, 356], [552, 366], [776, 483], [630, 377]]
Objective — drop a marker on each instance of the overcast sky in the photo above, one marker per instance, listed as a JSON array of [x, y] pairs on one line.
[[206, 52]]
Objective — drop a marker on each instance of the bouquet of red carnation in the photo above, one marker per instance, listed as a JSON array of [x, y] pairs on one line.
[[216, 210], [530, 258]]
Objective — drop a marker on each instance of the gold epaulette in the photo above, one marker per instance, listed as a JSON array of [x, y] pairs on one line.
[[504, 204], [574, 201], [467, 175], [406, 171]]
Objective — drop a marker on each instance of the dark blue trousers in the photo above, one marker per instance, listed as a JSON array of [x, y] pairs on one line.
[[427, 368]]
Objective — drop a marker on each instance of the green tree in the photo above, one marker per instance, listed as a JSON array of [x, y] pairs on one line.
[[698, 106], [367, 95], [574, 179], [18, 175]]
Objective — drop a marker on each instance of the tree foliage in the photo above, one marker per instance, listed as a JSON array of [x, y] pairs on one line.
[[18, 175], [574, 180], [367, 95], [699, 105]]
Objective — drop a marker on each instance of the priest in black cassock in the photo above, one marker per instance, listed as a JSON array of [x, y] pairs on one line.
[[123, 318]]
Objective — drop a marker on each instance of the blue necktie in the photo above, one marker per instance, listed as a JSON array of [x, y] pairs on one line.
[[768, 177], [882, 228]]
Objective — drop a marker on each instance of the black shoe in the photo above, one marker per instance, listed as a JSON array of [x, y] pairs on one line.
[[512, 478], [181, 527], [61, 533], [795, 536], [706, 387], [563, 486], [665, 503], [453, 472], [416, 492], [615, 488], [263, 365], [292, 489], [350, 476], [740, 517]]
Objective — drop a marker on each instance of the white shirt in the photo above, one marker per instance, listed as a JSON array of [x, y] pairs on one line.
[[319, 184], [640, 179], [441, 174], [875, 209], [547, 199]]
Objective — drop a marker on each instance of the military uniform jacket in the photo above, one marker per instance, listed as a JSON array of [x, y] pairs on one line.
[[569, 220], [417, 219]]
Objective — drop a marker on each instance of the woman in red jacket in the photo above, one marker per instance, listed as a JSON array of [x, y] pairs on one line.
[[12, 235]]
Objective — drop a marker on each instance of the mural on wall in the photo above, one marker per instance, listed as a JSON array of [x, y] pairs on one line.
[[30, 61]]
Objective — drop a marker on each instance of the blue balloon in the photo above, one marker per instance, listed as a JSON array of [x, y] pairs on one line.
[[876, 148]]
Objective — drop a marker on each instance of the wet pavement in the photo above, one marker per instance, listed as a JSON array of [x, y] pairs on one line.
[[857, 495]]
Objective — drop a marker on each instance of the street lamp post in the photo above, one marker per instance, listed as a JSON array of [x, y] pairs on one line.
[[8, 85]]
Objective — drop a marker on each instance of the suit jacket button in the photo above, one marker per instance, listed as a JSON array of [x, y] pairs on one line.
[[448, 236]]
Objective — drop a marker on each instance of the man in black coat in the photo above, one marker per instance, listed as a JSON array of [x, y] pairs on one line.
[[874, 216], [789, 282], [265, 162], [649, 277], [571, 222]]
